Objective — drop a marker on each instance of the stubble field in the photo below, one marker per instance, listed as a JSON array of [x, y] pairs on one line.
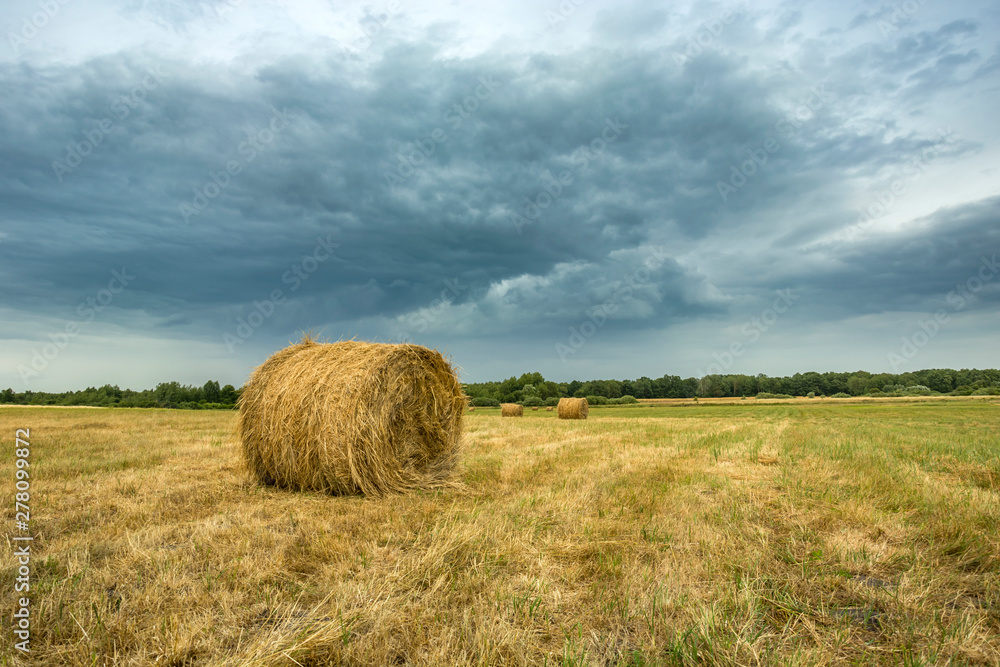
[[733, 534]]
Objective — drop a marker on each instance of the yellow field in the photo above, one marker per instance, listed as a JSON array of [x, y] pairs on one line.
[[733, 534]]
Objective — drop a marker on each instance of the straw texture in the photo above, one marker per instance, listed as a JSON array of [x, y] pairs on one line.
[[352, 418]]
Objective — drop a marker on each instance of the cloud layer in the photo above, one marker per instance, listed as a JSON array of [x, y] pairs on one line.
[[669, 170]]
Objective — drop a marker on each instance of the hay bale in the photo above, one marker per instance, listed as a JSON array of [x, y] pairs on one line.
[[573, 408], [548, 409], [535, 408], [511, 410], [472, 408], [352, 418]]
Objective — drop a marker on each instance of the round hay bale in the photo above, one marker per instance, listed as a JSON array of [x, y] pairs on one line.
[[511, 410], [472, 408], [352, 418], [548, 409], [573, 408], [535, 408]]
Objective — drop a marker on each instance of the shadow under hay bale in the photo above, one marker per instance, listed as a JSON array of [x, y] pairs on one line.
[[511, 410], [573, 408], [352, 418]]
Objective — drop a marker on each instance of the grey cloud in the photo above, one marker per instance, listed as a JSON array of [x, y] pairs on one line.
[[490, 131]]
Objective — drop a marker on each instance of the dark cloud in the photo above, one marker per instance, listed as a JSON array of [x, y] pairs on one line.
[[540, 181]]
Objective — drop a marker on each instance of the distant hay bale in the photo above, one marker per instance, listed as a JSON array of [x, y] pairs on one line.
[[472, 408], [535, 408], [573, 408], [352, 418], [511, 410], [548, 409]]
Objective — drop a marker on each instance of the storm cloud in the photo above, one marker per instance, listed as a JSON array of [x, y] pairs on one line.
[[486, 185]]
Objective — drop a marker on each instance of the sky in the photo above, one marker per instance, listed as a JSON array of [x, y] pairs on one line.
[[585, 188]]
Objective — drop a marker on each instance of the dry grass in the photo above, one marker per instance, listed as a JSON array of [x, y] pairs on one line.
[[352, 418], [638, 537]]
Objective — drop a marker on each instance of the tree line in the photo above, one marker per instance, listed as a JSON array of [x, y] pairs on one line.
[[165, 395], [530, 387], [534, 389]]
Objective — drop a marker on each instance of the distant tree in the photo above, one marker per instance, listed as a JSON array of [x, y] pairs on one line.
[[485, 402], [172, 394], [738, 385], [856, 385], [614, 389], [712, 385], [7, 396], [530, 378], [768, 384], [547, 389], [880, 380], [211, 393], [811, 382], [938, 380], [643, 388], [227, 395], [111, 391], [671, 386], [508, 387]]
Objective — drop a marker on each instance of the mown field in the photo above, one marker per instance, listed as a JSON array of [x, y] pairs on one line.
[[796, 534]]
